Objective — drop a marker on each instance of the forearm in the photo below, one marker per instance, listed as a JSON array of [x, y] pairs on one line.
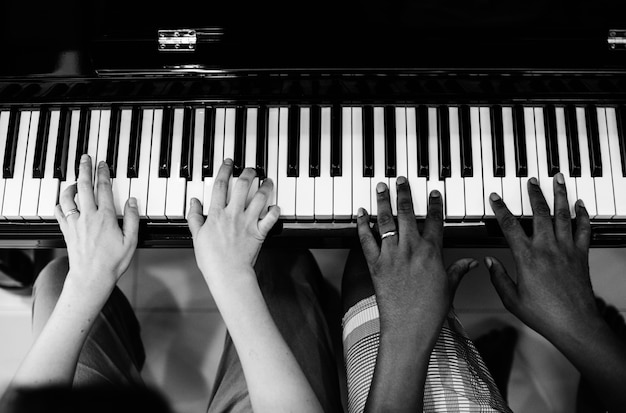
[[52, 359], [274, 378]]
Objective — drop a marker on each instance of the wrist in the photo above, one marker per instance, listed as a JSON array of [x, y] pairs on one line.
[[82, 285]]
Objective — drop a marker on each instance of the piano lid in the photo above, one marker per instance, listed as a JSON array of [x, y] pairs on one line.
[[121, 36]]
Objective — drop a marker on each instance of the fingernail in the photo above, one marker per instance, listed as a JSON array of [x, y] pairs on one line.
[[488, 262], [132, 201], [380, 187], [494, 197], [102, 164], [581, 203], [228, 162], [361, 212], [560, 179], [84, 158], [193, 201], [473, 264], [401, 180], [435, 194], [534, 181]]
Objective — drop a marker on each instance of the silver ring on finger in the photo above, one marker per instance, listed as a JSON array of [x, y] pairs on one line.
[[72, 212], [388, 234]]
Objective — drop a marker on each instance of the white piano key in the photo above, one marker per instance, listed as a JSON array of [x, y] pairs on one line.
[[361, 188], [455, 187], [342, 185], [157, 186], [103, 141], [474, 205], [491, 183], [619, 181], [324, 182], [176, 185], [272, 153], [544, 178], [511, 184], [570, 182], [49, 191], [305, 184], [218, 157], [229, 143], [286, 198], [402, 168], [13, 186], [30, 186], [585, 186], [531, 157], [120, 185], [605, 200], [434, 183], [92, 144], [250, 154], [4, 131], [195, 186], [418, 184], [379, 158], [70, 172], [139, 185]]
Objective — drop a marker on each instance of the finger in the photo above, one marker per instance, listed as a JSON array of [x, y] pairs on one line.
[[220, 186], [105, 193], [562, 215], [259, 200], [241, 189], [406, 215], [58, 214], [370, 247], [504, 285], [130, 227], [385, 218], [583, 227], [510, 226], [433, 227], [266, 224], [67, 203], [457, 270], [84, 185], [195, 219], [542, 221]]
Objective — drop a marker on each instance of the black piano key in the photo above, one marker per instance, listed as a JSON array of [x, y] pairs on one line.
[[497, 138], [208, 142], [315, 141], [165, 157], [293, 142], [41, 144], [82, 143], [186, 155], [132, 170], [465, 130], [390, 141], [114, 138], [519, 133], [621, 124], [368, 141], [63, 142], [552, 146], [240, 141], [11, 144], [422, 141], [573, 148], [335, 141], [443, 127], [593, 139], [261, 143]]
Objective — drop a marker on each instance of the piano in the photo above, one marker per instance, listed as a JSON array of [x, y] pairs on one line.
[[466, 98]]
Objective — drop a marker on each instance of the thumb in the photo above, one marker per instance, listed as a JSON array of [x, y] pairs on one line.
[[131, 221], [457, 270], [504, 285], [195, 220]]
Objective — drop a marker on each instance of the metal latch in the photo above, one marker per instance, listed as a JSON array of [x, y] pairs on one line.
[[187, 40], [617, 39]]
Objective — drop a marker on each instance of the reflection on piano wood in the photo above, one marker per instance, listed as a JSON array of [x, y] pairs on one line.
[[324, 152]]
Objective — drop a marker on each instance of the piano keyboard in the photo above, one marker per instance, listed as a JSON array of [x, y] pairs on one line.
[[325, 161]]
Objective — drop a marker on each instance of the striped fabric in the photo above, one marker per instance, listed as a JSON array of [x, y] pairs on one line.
[[457, 379]]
